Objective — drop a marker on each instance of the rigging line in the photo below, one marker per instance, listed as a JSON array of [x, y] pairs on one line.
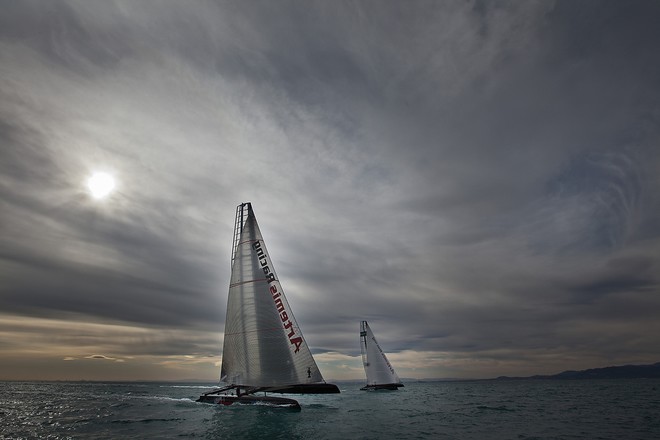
[[248, 281], [246, 241]]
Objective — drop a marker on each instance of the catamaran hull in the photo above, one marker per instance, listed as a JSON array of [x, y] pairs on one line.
[[222, 399], [383, 386]]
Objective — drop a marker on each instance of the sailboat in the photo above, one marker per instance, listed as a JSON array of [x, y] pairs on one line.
[[264, 349], [380, 374]]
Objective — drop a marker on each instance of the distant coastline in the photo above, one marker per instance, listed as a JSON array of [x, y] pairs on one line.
[[651, 371]]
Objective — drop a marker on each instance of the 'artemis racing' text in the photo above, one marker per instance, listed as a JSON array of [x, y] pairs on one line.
[[270, 277]]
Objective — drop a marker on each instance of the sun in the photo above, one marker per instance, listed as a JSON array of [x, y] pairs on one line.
[[100, 184]]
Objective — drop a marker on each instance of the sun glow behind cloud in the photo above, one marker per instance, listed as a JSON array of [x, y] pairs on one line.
[[100, 184]]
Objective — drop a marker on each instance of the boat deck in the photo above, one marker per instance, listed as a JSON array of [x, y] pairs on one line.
[[227, 399]]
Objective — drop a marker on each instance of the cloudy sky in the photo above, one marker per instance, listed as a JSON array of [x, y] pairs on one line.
[[478, 180]]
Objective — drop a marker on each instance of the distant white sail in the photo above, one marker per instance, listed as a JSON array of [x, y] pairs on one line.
[[379, 371], [263, 344]]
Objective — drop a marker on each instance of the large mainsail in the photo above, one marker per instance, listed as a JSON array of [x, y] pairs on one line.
[[263, 344], [378, 369]]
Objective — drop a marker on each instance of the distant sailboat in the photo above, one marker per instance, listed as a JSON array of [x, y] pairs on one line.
[[380, 374], [264, 349]]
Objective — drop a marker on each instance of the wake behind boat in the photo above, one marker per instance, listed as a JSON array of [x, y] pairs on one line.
[[379, 371], [264, 349]]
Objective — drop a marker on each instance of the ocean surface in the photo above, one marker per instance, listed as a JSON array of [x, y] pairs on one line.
[[530, 409]]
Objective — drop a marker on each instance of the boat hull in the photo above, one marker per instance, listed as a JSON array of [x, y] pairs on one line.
[[382, 386], [225, 399]]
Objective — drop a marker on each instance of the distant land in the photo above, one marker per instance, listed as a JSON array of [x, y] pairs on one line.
[[651, 371]]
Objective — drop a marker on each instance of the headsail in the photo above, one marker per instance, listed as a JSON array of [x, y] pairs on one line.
[[378, 369], [263, 344]]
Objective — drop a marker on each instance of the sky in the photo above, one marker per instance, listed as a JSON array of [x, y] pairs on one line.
[[479, 180]]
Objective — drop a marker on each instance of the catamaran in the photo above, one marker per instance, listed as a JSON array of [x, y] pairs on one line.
[[264, 349], [380, 374]]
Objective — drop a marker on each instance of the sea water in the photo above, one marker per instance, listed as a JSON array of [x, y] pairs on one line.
[[526, 409]]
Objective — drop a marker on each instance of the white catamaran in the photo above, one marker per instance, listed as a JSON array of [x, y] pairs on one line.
[[264, 349], [380, 374]]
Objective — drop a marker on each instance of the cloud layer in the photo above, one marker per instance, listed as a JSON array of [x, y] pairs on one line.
[[476, 179]]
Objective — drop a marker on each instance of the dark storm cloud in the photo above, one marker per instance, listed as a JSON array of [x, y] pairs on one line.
[[477, 179]]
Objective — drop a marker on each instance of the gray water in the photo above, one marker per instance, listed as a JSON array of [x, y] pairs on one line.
[[531, 409]]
